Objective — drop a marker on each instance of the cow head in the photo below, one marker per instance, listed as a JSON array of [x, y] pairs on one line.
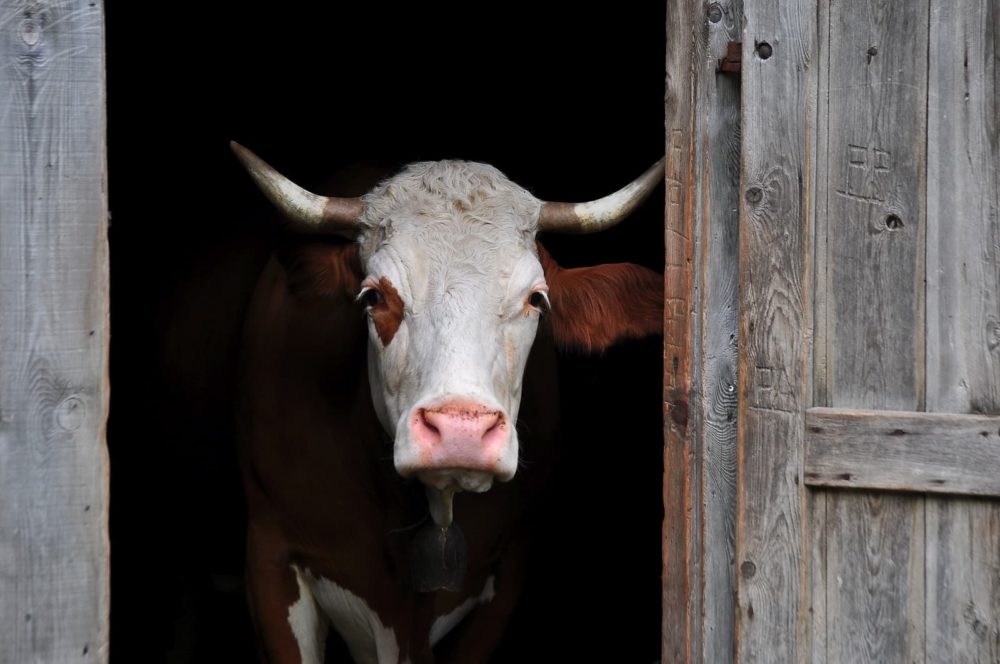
[[454, 286]]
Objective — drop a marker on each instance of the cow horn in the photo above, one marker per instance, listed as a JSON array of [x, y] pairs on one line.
[[594, 216], [308, 211]]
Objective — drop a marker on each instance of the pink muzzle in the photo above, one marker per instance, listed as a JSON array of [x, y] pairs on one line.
[[459, 435]]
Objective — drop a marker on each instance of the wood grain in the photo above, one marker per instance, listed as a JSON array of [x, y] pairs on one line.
[[875, 598], [963, 201], [719, 135], [874, 223], [53, 334], [699, 488], [963, 315], [681, 537], [871, 223], [771, 543], [963, 581], [903, 451]]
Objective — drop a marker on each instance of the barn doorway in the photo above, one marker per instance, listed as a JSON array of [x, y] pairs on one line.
[[570, 106]]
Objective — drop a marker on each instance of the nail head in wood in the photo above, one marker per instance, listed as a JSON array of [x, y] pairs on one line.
[[733, 61]]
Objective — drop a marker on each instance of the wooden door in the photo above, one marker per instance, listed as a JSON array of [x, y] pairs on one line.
[[865, 513]]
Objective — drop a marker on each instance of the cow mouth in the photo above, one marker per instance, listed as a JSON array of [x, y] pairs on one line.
[[457, 479], [442, 485]]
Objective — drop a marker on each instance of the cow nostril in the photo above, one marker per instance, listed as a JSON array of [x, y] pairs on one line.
[[496, 424], [423, 419]]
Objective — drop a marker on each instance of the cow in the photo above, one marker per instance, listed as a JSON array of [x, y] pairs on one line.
[[398, 401]]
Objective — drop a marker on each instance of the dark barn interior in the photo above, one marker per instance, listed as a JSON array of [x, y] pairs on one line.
[[569, 105]]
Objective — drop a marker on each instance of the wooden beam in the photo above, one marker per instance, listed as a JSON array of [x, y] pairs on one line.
[[903, 451], [53, 333]]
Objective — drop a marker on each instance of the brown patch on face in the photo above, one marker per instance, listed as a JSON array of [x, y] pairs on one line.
[[388, 313]]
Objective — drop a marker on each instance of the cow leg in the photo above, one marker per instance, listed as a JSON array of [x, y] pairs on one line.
[[290, 628], [478, 635]]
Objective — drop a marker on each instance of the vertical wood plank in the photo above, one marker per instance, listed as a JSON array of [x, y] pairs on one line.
[[681, 535], [875, 568], [681, 572], [820, 370], [700, 361], [819, 581], [963, 314], [872, 344], [963, 580], [719, 132], [963, 201], [53, 333], [772, 545], [875, 156]]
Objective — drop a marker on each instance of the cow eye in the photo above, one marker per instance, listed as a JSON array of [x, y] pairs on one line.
[[369, 297], [540, 300]]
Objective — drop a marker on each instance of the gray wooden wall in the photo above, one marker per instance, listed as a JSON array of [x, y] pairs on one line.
[[851, 511], [53, 333]]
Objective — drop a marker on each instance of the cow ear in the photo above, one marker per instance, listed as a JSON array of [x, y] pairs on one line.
[[595, 307], [321, 269]]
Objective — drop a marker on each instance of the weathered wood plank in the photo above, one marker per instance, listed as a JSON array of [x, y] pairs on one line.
[[872, 199], [963, 201], [700, 485], [53, 334], [719, 133], [963, 315], [903, 451], [819, 377], [875, 156], [963, 581], [818, 578], [875, 585], [681, 535], [772, 545]]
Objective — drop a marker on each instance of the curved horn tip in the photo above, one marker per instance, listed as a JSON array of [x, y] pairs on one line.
[[245, 155], [307, 211], [603, 213]]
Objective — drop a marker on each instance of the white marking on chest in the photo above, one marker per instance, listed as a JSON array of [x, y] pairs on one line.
[[444, 624], [368, 639], [307, 626]]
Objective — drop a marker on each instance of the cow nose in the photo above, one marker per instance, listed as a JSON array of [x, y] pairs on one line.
[[459, 423], [459, 434]]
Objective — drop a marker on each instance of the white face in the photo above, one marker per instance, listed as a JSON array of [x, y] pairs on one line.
[[453, 289]]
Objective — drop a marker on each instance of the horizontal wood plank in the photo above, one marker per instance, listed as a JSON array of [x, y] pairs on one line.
[[903, 451]]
